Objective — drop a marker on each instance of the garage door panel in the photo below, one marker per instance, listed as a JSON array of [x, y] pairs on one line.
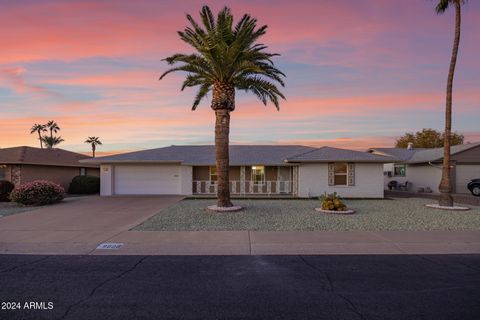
[[148, 180], [464, 173]]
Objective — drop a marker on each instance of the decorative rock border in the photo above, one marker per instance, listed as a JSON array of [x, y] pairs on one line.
[[335, 211], [216, 208], [454, 208]]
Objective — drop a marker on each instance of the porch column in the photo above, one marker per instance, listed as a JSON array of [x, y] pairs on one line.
[[242, 180], [295, 180]]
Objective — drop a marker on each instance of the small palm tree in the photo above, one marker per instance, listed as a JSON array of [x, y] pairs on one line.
[[51, 142], [94, 141], [39, 129], [445, 186], [52, 127], [227, 58]]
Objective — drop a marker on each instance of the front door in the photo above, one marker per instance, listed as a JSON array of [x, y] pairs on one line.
[[284, 179]]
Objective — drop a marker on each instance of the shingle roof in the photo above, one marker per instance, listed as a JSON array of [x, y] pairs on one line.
[[242, 155], [328, 154], [46, 157], [205, 155], [401, 154], [429, 155], [422, 155]]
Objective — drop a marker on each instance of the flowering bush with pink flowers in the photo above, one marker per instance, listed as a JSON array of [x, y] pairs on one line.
[[37, 193]]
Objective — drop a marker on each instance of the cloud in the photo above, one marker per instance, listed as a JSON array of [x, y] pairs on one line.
[[13, 77]]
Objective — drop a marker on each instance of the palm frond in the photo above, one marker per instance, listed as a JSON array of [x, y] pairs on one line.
[[227, 53]]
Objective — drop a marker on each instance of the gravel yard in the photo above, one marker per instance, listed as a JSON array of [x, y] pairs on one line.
[[283, 215], [9, 208]]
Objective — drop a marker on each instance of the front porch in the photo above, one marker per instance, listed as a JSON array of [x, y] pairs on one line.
[[248, 180]]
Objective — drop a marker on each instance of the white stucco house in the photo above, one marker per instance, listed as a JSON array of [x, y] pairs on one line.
[[422, 168], [293, 170]]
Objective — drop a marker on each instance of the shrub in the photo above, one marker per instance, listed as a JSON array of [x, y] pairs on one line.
[[84, 185], [5, 188], [332, 202], [37, 193]]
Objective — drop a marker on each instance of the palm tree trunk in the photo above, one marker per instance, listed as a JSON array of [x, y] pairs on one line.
[[445, 186], [93, 150], [222, 131], [40, 138], [223, 102]]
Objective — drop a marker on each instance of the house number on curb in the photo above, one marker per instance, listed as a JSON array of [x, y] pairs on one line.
[[109, 246]]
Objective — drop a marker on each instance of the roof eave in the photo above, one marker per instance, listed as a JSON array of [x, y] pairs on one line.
[[99, 161]]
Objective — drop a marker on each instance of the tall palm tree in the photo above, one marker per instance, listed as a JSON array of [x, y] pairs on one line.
[[94, 141], [38, 128], [52, 127], [445, 186], [51, 142], [227, 58]]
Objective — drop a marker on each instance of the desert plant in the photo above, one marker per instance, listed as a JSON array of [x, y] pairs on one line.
[[5, 188], [37, 193], [332, 202], [84, 185]]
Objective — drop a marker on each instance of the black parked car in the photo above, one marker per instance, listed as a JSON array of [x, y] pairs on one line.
[[474, 187]]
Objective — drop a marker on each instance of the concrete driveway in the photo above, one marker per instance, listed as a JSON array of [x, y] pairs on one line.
[[76, 227]]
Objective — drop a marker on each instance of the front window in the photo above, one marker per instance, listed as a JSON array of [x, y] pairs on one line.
[[83, 171], [340, 174], [258, 175], [399, 170], [213, 175], [2, 172]]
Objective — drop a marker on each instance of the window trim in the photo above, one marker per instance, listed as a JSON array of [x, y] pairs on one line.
[[253, 169]]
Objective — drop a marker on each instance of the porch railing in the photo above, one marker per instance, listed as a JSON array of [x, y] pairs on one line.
[[247, 187]]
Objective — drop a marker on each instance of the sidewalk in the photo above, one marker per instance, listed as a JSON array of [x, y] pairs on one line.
[[258, 243]]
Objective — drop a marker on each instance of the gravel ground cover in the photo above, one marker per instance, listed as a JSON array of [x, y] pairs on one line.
[[284, 215], [9, 208]]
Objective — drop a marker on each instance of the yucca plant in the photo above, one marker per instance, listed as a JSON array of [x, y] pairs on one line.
[[227, 58]]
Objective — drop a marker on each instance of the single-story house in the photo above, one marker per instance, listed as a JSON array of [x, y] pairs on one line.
[[23, 164], [290, 170], [422, 168]]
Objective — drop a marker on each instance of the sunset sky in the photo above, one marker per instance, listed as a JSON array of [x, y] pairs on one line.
[[359, 73]]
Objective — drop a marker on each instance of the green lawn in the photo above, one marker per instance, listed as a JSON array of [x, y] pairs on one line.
[[283, 215]]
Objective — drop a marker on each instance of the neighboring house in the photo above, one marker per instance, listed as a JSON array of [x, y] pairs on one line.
[[23, 164], [422, 168], [296, 171]]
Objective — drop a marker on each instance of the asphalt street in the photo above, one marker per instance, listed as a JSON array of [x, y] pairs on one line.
[[240, 287]]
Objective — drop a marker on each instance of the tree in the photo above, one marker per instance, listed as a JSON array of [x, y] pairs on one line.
[[93, 141], [52, 127], [227, 58], [38, 128], [51, 142], [445, 186], [427, 138]]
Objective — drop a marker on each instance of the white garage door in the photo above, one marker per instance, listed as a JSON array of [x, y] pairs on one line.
[[464, 174], [147, 179]]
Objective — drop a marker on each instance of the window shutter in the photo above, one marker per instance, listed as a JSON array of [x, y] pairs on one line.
[[331, 174], [351, 174]]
